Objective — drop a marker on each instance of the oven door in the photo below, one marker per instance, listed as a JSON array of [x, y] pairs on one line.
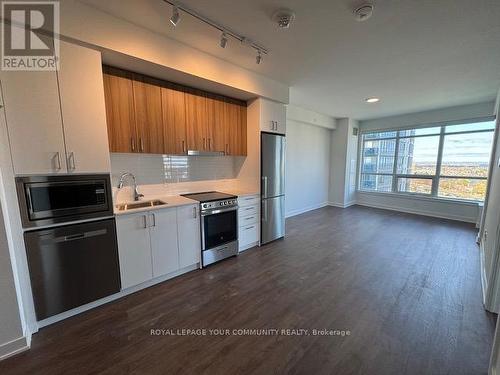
[[46, 200], [219, 227]]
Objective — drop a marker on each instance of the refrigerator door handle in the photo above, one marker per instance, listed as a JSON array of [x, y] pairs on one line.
[[265, 211], [264, 186]]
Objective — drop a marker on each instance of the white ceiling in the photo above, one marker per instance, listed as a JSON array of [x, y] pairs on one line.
[[414, 54]]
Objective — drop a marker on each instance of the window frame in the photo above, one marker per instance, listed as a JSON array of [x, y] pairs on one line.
[[435, 177]]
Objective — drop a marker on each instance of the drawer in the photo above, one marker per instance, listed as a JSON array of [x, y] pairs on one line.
[[244, 221], [251, 200], [247, 211], [248, 234]]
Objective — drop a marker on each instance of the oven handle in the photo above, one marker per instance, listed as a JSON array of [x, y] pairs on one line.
[[218, 211]]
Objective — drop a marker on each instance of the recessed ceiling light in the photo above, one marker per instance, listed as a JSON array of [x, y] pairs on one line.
[[372, 100]]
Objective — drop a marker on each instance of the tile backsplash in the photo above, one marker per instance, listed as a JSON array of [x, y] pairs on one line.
[[175, 174]]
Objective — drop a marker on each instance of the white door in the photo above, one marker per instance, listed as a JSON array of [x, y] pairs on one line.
[[188, 228], [134, 249], [34, 122], [164, 249], [83, 109]]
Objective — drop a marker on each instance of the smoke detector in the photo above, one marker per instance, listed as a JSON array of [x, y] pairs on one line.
[[363, 12], [283, 17]]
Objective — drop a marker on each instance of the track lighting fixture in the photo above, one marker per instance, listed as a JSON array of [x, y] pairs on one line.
[[226, 33], [223, 40], [258, 58], [175, 16]]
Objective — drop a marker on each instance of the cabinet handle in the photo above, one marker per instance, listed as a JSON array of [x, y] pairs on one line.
[[204, 143], [132, 144], [142, 144], [154, 220], [145, 221], [209, 143], [183, 147], [247, 228], [248, 209], [227, 149], [250, 218], [195, 213], [57, 158], [71, 161]]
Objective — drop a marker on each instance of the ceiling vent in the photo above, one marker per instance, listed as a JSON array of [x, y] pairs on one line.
[[284, 18], [363, 12]]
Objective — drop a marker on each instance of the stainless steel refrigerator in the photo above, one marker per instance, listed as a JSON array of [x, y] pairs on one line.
[[272, 187]]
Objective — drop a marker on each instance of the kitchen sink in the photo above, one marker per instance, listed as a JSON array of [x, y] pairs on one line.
[[144, 204]]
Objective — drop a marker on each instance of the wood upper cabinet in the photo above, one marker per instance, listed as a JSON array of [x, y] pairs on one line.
[[152, 116], [120, 112], [173, 105], [217, 125], [237, 125], [196, 121], [148, 116]]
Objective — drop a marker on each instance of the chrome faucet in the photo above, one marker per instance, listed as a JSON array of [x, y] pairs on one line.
[[137, 196]]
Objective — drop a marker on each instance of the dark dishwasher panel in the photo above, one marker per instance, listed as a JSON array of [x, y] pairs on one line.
[[72, 265]]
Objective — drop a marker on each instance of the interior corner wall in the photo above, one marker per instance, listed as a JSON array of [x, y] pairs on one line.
[[307, 167], [338, 163], [11, 332]]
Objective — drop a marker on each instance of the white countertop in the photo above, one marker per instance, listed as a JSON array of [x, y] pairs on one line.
[[170, 200]]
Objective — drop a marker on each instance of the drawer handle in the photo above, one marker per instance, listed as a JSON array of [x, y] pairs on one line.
[[247, 228], [249, 218], [248, 209]]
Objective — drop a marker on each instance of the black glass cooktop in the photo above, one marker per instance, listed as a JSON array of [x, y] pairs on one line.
[[209, 196]]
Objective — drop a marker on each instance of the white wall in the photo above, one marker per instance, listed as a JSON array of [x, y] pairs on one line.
[[11, 332], [307, 167], [462, 211], [450, 114], [343, 163]]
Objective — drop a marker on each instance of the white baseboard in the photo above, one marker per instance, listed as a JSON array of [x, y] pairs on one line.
[[342, 205], [418, 212], [14, 347], [305, 209], [123, 293]]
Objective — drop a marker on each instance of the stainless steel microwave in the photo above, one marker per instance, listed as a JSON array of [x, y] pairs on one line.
[[45, 200]]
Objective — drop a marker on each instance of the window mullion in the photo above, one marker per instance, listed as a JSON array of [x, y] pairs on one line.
[[435, 180], [395, 166]]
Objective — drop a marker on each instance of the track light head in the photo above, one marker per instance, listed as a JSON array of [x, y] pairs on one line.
[[223, 40], [258, 58], [176, 17]]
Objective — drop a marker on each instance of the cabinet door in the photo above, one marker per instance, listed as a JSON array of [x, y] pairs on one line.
[[196, 122], [120, 114], [148, 117], [83, 109], [134, 249], [174, 121], [272, 117], [188, 228], [219, 133], [237, 129], [164, 241], [33, 113]]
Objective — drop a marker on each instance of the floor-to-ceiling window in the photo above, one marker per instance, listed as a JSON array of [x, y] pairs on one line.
[[448, 161]]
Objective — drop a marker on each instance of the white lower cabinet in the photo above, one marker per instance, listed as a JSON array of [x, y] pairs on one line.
[[248, 221], [188, 224], [164, 248], [156, 243], [134, 249]]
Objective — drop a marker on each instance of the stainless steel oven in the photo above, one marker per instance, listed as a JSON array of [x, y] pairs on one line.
[[219, 233], [219, 225], [45, 200]]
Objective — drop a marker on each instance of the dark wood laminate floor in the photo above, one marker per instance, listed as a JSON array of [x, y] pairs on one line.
[[406, 287]]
